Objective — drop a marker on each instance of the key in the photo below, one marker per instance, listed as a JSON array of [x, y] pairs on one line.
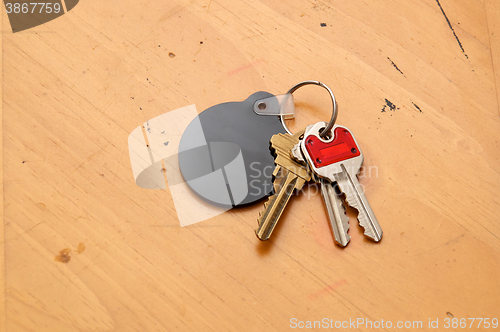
[[339, 160], [339, 222], [288, 176]]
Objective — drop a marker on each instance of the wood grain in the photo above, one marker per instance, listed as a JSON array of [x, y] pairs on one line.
[[87, 250], [2, 232], [492, 10]]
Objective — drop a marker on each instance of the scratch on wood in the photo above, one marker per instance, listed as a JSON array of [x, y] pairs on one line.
[[390, 105], [395, 66], [416, 106], [453, 30], [250, 65], [328, 288], [208, 8]]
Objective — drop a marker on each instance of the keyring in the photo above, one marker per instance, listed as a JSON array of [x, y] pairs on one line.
[[327, 129]]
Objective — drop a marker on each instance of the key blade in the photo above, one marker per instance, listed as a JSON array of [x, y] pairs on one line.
[[288, 175], [357, 200], [284, 184], [339, 222]]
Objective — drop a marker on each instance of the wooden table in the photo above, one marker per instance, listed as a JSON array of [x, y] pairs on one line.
[[86, 249]]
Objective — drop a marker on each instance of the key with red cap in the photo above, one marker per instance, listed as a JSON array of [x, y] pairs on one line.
[[338, 161]]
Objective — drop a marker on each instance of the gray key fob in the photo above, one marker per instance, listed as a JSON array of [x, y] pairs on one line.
[[224, 154]]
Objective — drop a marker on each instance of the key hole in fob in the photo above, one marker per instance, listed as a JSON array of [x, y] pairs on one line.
[[327, 137]]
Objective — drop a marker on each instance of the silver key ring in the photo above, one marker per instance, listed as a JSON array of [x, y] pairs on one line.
[[329, 127]]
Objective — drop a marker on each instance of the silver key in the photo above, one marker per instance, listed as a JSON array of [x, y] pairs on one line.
[[339, 160], [339, 222]]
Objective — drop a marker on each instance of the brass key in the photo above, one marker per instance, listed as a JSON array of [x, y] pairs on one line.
[[288, 176]]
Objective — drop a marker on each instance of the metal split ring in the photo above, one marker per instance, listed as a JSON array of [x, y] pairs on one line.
[[329, 127]]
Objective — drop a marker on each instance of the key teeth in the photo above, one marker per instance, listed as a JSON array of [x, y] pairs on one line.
[[346, 223], [346, 219], [266, 204], [361, 220], [347, 226], [367, 231]]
